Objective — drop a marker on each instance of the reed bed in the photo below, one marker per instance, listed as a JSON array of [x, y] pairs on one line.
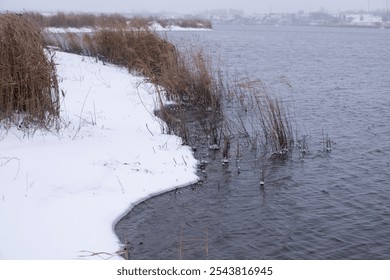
[[183, 76], [229, 109], [228, 116], [79, 20], [76, 20], [29, 93]]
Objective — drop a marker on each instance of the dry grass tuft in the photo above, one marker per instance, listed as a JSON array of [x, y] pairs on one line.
[[276, 125], [29, 94], [260, 118], [140, 51]]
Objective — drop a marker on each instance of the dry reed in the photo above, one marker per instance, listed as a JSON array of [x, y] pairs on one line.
[[275, 124], [187, 77], [29, 94], [260, 118], [78, 20], [184, 76]]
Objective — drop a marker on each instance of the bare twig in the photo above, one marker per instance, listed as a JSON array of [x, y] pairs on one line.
[[120, 183]]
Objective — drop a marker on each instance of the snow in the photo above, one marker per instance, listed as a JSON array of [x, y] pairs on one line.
[[154, 26], [61, 193], [157, 27], [363, 19], [69, 29]]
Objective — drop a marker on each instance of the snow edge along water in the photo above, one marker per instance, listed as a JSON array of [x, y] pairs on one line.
[[62, 194]]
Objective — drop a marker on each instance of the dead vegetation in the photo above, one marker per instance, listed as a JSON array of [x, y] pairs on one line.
[[29, 94], [76, 20], [184, 76], [80, 20], [228, 116], [241, 109], [179, 76]]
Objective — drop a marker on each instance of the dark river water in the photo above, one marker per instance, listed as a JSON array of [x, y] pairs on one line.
[[332, 205]]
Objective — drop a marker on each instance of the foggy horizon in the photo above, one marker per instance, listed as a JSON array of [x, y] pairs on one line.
[[176, 6]]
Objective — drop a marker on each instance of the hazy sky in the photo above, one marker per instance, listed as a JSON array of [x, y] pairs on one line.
[[184, 6]]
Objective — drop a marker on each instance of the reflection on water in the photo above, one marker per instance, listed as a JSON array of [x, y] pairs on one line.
[[330, 206]]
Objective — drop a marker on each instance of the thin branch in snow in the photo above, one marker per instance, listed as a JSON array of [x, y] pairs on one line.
[[81, 114], [149, 130], [120, 183]]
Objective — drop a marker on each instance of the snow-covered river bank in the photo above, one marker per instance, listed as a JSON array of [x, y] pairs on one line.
[[61, 193]]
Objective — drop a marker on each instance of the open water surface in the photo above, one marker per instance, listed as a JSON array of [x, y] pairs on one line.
[[331, 205]]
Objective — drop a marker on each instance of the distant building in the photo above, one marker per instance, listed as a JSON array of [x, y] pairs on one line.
[[362, 20], [320, 18]]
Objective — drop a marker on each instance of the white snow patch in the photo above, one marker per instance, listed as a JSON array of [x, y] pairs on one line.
[[69, 29], [154, 26], [363, 19], [157, 27], [62, 193]]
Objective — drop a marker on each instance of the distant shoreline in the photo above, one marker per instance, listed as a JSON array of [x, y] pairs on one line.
[[308, 25]]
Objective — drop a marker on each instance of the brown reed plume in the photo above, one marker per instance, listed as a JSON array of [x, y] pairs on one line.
[[29, 94]]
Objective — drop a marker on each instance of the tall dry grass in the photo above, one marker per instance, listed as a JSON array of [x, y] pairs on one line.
[[29, 93], [184, 76], [257, 117], [180, 76], [276, 125], [140, 51], [76, 20], [187, 76]]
